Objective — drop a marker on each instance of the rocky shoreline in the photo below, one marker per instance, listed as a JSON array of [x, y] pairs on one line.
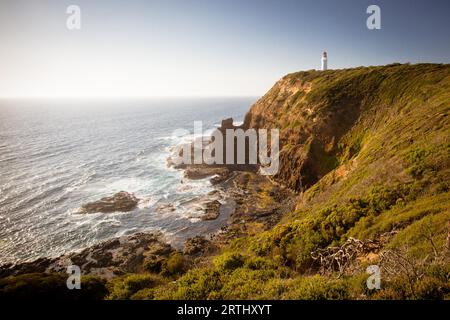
[[114, 257], [133, 253], [259, 204]]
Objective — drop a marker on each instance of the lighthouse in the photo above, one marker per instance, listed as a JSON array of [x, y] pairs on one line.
[[324, 61]]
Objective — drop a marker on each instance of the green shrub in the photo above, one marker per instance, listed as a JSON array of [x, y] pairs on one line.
[[245, 284], [402, 288], [429, 288], [258, 263], [174, 265], [50, 286], [318, 288], [153, 263], [423, 237], [229, 261], [144, 294], [94, 288], [199, 284], [125, 287]]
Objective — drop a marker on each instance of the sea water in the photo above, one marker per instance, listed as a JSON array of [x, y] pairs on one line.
[[57, 155]]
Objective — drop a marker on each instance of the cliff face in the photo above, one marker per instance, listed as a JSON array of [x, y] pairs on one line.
[[337, 121]]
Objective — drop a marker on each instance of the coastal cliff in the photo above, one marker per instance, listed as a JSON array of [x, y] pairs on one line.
[[365, 154], [336, 119]]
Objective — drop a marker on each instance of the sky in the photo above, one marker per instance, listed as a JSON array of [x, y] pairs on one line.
[[176, 48]]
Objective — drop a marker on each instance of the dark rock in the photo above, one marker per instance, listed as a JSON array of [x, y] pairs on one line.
[[39, 265], [153, 263], [227, 124], [127, 254], [196, 245], [220, 176], [120, 202], [196, 172], [214, 193], [212, 210]]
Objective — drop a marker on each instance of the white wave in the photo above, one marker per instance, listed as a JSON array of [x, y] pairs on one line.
[[147, 203]]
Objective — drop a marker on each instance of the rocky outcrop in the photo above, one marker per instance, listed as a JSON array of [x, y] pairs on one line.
[[220, 171], [127, 254], [218, 174], [119, 202], [327, 118], [212, 210], [196, 246]]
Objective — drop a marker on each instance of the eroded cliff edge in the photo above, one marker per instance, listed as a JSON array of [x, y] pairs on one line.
[[340, 119]]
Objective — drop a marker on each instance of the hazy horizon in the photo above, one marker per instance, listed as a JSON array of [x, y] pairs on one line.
[[197, 48]]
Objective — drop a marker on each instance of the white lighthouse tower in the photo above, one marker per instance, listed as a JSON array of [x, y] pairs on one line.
[[324, 61]]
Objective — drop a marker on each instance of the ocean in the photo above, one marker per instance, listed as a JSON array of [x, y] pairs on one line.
[[57, 155]]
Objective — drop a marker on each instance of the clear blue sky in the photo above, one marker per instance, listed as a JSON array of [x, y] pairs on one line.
[[204, 47]]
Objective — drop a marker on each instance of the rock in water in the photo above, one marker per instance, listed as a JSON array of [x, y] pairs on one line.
[[120, 202], [196, 172]]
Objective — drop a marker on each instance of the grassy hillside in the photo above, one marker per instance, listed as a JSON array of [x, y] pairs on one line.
[[375, 116], [367, 151]]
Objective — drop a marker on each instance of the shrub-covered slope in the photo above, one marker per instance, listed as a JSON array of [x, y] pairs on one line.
[[368, 151]]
